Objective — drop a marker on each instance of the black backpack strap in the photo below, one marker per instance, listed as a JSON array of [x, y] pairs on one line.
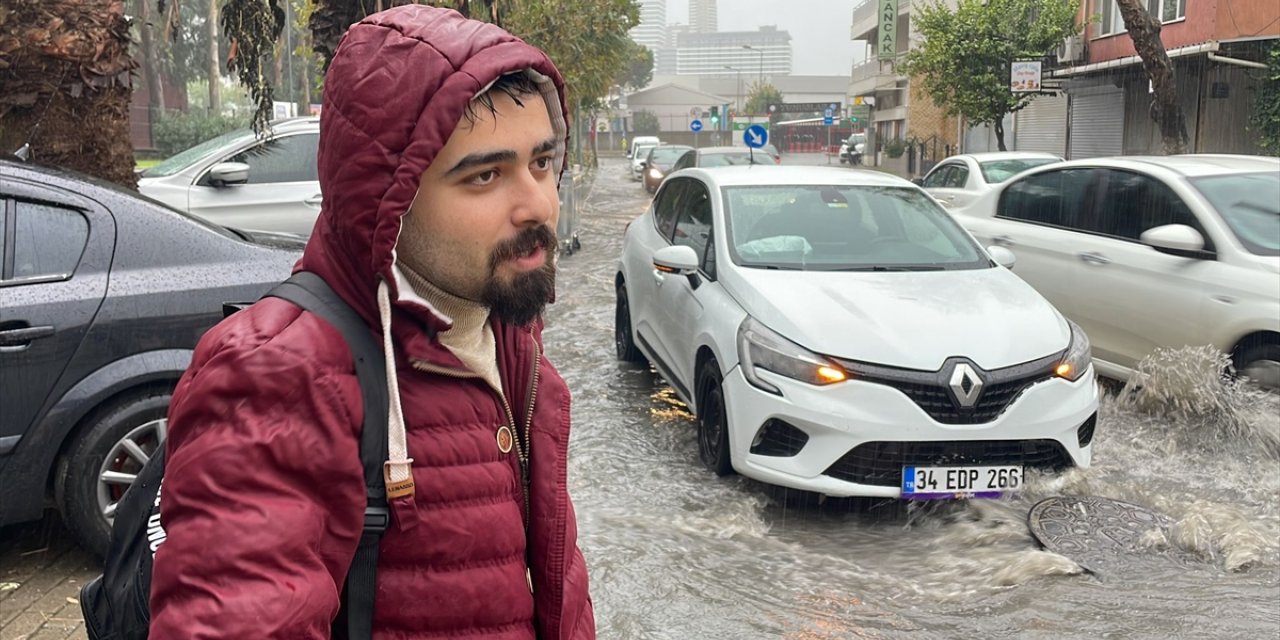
[[309, 291]]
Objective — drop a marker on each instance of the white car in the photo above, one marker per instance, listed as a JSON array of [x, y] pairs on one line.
[[242, 181], [959, 180], [638, 160], [1147, 252], [836, 331]]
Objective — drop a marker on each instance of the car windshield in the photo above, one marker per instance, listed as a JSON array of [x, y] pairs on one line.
[[736, 158], [175, 163], [844, 228], [643, 152], [997, 171], [1250, 204], [667, 155]]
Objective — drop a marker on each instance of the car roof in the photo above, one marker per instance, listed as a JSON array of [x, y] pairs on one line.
[[1190, 165], [766, 174], [988, 156], [725, 149]]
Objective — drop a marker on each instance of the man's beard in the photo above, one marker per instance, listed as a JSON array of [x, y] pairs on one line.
[[522, 299]]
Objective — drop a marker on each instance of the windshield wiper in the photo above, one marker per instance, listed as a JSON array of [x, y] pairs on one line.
[[882, 268]]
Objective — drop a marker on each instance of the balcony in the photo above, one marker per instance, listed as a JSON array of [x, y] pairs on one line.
[[866, 18], [871, 75]]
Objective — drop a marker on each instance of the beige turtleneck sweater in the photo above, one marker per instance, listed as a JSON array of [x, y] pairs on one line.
[[470, 338]]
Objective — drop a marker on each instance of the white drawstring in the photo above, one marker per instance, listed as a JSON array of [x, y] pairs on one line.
[[397, 471]]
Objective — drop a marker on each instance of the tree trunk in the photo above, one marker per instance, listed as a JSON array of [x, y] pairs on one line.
[[65, 85], [215, 66], [150, 59], [999, 127], [1144, 30]]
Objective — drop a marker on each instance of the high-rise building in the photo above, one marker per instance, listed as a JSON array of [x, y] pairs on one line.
[[652, 31], [753, 54], [702, 16]]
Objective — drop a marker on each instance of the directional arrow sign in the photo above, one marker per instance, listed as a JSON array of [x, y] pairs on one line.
[[755, 136], [695, 126]]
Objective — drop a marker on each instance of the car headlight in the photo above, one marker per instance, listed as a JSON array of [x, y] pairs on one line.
[[655, 174], [1079, 355], [761, 348]]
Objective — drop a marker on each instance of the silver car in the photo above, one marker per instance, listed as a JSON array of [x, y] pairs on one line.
[[242, 181], [959, 180]]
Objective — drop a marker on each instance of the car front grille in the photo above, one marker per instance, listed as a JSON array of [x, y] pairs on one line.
[[881, 463], [931, 390]]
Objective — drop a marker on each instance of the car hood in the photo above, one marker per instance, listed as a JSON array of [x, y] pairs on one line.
[[913, 320]]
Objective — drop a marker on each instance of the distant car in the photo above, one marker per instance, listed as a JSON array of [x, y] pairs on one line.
[[638, 160], [1147, 252], [959, 180], [723, 157], [103, 295], [659, 163], [838, 332], [246, 182], [642, 141]]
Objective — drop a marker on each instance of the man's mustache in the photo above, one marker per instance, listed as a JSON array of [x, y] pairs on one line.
[[531, 238]]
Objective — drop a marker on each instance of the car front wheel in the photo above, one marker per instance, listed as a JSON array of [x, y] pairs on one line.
[[623, 338], [1260, 363], [103, 461], [713, 420]]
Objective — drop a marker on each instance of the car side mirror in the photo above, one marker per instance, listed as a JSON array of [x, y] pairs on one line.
[[1002, 256], [1174, 239], [919, 182], [228, 173], [678, 260]]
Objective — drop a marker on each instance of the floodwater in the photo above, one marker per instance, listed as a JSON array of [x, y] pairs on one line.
[[675, 552]]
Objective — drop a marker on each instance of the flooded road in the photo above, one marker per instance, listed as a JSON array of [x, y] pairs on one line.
[[677, 553]]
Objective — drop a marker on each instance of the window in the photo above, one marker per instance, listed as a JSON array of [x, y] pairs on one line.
[[1111, 22], [1250, 203], [47, 240], [959, 176], [939, 176], [693, 226], [1132, 203], [684, 162], [284, 159], [667, 206], [1054, 198]]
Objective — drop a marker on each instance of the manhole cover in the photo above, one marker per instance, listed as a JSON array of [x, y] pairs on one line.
[[1100, 533]]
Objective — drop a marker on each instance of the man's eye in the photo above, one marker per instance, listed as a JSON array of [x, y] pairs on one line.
[[484, 178], [543, 164]]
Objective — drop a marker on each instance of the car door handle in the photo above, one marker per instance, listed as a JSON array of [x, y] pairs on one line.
[[1093, 257], [658, 278], [1003, 241], [20, 338], [314, 200]]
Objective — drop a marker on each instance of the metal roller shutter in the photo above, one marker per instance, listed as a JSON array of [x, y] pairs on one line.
[[1097, 122], [1042, 125]]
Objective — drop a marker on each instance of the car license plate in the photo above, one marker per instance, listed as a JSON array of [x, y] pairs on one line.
[[936, 483]]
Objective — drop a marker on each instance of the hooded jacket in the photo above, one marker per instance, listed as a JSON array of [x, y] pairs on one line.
[[263, 496]]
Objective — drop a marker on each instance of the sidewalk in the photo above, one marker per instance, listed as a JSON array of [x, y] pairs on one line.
[[41, 572]]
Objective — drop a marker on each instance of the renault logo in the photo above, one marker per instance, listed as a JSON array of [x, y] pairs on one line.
[[965, 385]]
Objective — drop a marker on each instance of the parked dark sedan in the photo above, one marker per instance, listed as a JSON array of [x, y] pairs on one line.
[[103, 295]]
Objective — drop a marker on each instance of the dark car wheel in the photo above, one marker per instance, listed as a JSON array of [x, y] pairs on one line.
[[623, 339], [713, 420], [103, 461], [1260, 362]]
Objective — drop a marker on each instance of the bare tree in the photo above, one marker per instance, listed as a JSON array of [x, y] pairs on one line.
[[215, 63], [1144, 30]]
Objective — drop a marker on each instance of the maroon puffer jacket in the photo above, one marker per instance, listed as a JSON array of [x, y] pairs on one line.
[[263, 495]]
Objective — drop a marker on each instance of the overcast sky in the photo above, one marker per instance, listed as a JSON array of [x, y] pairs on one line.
[[820, 44]]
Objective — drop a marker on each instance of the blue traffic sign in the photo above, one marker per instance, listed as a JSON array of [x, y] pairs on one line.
[[755, 136], [695, 126], [826, 120]]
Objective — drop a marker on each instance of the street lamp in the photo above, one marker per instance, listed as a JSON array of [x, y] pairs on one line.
[[760, 81], [737, 102]]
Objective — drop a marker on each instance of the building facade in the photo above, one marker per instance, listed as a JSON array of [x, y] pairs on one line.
[[652, 32], [766, 52], [702, 16]]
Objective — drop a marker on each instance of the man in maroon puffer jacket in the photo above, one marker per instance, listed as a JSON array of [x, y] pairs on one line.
[[441, 144]]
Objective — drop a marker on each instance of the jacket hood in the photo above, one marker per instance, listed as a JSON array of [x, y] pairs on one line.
[[395, 90]]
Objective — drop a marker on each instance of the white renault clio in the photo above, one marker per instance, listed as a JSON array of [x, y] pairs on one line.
[[835, 331]]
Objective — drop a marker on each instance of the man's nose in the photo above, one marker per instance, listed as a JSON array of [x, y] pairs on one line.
[[532, 205]]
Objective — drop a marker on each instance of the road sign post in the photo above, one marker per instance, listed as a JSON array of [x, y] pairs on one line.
[[695, 127]]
